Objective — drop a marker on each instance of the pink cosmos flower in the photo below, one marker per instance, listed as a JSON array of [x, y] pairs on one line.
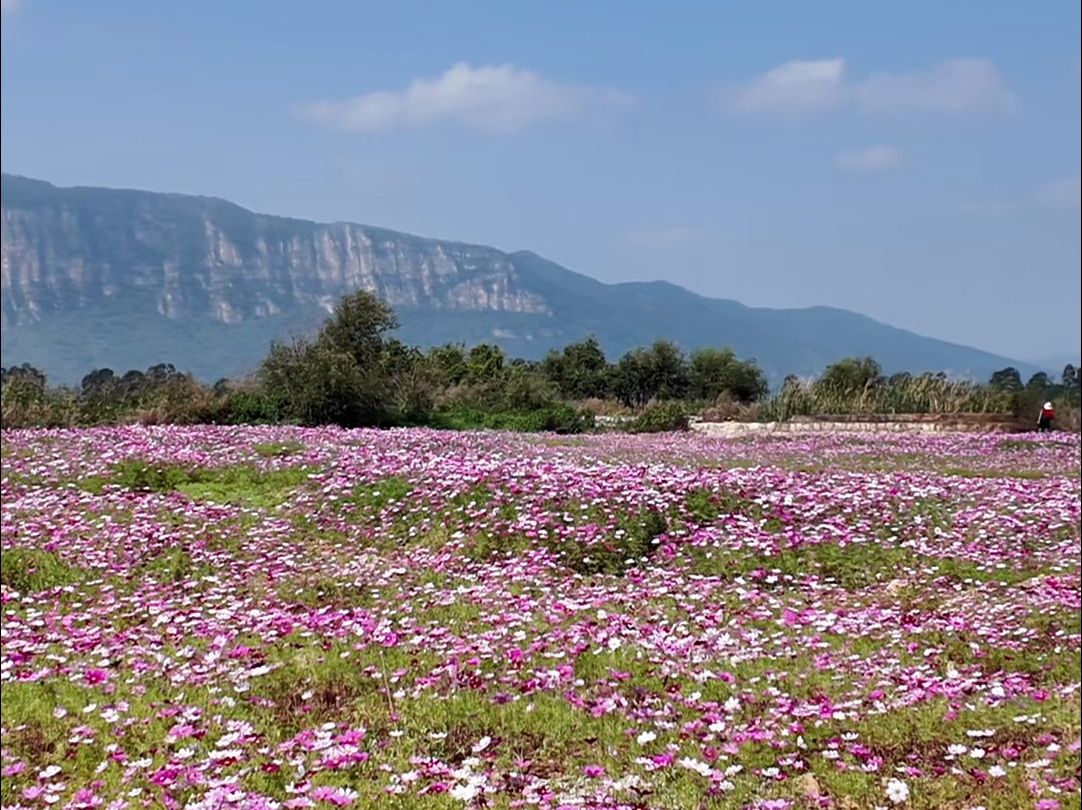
[[389, 639], [339, 797], [95, 676]]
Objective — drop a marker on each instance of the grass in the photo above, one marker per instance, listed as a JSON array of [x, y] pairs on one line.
[[33, 570], [919, 735], [370, 561], [240, 484], [370, 499], [277, 449], [965, 472]]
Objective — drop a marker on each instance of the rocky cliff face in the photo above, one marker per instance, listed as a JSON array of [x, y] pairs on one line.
[[194, 257], [95, 278]]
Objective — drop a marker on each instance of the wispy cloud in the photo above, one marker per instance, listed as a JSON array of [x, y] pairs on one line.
[[1066, 192], [793, 88], [870, 159], [674, 236], [957, 86], [1062, 193], [497, 100]]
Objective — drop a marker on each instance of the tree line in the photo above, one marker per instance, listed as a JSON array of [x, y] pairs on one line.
[[353, 372]]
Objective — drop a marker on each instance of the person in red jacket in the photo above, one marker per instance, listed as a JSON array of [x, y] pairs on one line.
[[1044, 421]]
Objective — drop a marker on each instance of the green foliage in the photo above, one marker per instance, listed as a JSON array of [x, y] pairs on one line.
[[32, 570], [561, 418], [632, 543], [240, 484], [657, 372], [579, 371], [318, 385], [705, 505], [449, 363], [662, 417], [339, 377], [527, 390], [372, 498], [357, 328], [352, 373], [853, 380], [278, 449], [145, 476], [173, 565], [712, 372], [1007, 379], [484, 363], [249, 408], [1069, 383], [856, 387]]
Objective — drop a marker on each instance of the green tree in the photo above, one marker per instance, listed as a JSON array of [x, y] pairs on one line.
[[343, 375], [849, 385], [449, 363], [657, 372], [1069, 381], [714, 371], [579, 371], [485, 363], [318, 385], [26, 375], [1006, 379], [1039, 382], [527, 390], [357, 328]]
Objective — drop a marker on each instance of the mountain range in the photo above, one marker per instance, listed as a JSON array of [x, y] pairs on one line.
[[98, 277]]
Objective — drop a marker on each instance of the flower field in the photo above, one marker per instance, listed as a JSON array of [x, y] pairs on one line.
[[290, 618]]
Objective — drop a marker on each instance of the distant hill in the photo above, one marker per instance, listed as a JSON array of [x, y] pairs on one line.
[[1053, 365], [96, 277]]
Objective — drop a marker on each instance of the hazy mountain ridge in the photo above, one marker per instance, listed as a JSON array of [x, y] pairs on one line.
[[97, 277]]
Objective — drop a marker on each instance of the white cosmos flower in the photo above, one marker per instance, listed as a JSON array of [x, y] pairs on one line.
[[482, 744], [897, 791]]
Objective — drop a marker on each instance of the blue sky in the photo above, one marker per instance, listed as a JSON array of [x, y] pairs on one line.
[[914, 161]]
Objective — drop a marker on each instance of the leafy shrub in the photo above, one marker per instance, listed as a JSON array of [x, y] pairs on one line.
[[249, 408], [661, 418], [728, 409], [566, 419], [556, 419]]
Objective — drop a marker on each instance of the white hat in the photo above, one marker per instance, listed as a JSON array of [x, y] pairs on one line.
[[1048, 406]]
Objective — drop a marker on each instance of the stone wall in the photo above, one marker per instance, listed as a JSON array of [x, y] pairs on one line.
[[851, 423], [877, 423]]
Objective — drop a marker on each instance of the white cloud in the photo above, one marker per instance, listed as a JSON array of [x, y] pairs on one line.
[[793, 88], [870, 159], [1065, 192], [675, 236], [957, 86], [818, 86], [498, 100]]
